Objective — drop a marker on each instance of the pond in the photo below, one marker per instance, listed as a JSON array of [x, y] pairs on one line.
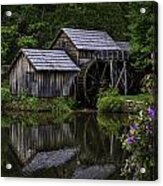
[[81, 145]]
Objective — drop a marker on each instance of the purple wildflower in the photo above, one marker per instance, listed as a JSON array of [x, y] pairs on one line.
[[131, 139], [133, 126], [151, 112]]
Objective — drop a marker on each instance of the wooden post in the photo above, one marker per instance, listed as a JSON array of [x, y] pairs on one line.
[[111, 144], [77, 57], [74, 85], [117, 56], [111, 73], [123, 57], [125, 78], [115, 67]]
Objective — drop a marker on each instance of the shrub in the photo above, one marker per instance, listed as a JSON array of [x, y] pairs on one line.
[[25, 102], [108, 92], [109, 101], [32, 103], [62, 105], [5, 95], [110, 104]]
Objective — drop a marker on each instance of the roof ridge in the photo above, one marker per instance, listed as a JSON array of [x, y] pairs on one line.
[[83, 29], [38, 49], [82, 39]]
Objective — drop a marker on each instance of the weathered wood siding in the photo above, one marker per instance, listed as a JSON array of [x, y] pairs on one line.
[[54, 84], [63, 42], [24, 78], [18, 75]]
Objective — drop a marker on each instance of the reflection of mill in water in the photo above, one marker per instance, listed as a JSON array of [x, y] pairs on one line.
[[46, 146], [26, 141]]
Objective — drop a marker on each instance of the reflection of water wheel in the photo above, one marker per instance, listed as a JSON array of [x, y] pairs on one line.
[[93, 76]]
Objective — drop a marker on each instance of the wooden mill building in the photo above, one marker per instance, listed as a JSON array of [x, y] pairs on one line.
[[42, 73], [101, 59], [79, 62]]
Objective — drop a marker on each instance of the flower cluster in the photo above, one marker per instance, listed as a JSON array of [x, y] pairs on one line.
[[137, 141], [131, 135], [151, 112]]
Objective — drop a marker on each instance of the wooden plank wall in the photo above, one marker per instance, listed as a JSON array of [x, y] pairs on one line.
[[63, 42], [18, 75], [54, 84]]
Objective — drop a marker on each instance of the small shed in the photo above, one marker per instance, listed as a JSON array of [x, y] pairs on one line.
[[43, 73]]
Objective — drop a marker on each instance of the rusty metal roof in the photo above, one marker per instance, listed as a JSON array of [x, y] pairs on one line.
[[54, 60], [91, 39], [123, 45]]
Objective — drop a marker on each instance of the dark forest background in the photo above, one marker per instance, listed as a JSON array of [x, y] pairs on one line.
[[35, 26]]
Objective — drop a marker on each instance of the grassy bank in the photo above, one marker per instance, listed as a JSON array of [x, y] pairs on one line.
[[111, 101], [59, 105], [108, 101]]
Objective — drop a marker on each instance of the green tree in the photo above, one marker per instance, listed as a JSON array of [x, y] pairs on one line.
[[142, 32]]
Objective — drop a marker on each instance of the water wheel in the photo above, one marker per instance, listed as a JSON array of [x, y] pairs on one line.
[[94, 75]]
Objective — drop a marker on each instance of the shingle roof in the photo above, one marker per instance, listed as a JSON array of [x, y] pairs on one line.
[[90, 39], [123, 45], [55, 60]]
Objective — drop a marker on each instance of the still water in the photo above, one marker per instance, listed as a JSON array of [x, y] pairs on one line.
[[81, 145]]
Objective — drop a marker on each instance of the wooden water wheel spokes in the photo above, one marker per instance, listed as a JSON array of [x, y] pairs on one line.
[[96, 76]]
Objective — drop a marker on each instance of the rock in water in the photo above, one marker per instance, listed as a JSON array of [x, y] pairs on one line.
[[44, 160], [94, 172]]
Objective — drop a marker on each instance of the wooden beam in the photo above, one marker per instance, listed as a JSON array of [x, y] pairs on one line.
[[115, 72], [74, 85], [123, 57], [111, 73], [117, 55], [125, 78], [77, 57]]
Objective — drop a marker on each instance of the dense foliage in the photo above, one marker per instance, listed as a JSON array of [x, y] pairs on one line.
[[36, 26], [142, 33]]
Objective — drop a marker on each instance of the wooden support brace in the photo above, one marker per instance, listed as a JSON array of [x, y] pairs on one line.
[[120, 76]]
